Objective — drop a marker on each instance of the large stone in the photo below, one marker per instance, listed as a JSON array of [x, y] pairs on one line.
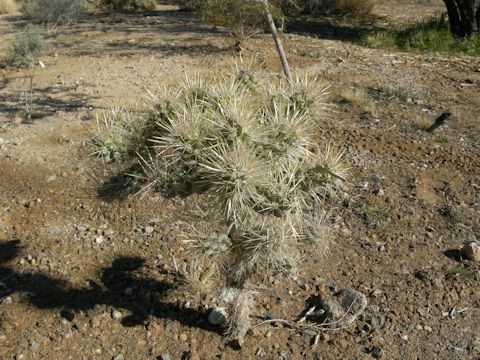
[[342, 309], [471, 251]]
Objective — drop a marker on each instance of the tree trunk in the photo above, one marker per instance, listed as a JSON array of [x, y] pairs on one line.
[[464, 17], [278, 42], [477, 17]]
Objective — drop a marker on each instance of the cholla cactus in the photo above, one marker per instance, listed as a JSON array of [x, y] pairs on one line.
[[250, 141], [120, 134]]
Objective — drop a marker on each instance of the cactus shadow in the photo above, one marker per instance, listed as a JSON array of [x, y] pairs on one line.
[[122, 286]]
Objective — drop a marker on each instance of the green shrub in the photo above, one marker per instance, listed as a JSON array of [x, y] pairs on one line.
[[27, 47], [241, 18], [431, 34], [52, 11], [340, 7], [124, 5], [249, 143]]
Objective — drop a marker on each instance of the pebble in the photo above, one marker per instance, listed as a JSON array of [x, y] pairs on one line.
[[422, 312], [83, 227], [116, 314], [99, 239], [217, 316], [164, 356], [379, 322], [118, 357], [148, 230], [377, 353], [128, 291], [260, 352], [7, 300]]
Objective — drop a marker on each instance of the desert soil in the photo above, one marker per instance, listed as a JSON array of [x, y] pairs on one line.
[[85, 274]]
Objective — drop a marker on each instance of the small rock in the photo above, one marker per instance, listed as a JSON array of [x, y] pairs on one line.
[[83, 227], [128, 291], [422, 312], [183, 337], [148, 230], [379, 192], [217, 316], [165, 356], [379, 322], [7, 301], [116, 315], [66, 334], [377, 353], [118, 357], [260, 352], [471, 251], [99, 239]]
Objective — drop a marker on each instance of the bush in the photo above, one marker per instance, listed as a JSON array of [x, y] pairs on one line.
[[7, 6], [339, 7], [124, 5], [431, 34], [27, 47], [52, 11], [250, 142], [241, 18]]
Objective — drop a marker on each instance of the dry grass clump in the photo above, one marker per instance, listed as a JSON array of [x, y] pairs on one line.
[[358, 97], [7, 6], [250, 142], [423, 121]]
